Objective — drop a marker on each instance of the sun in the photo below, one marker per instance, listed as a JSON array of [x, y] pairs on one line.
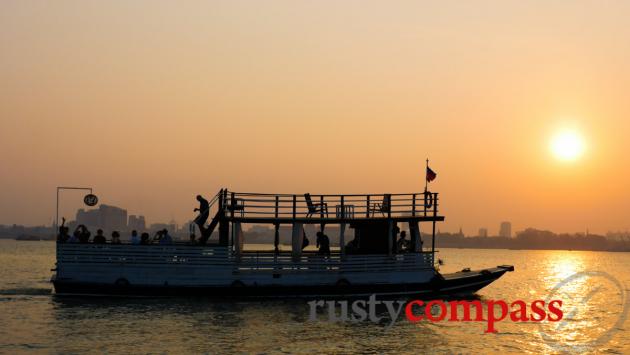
[[567, 145]]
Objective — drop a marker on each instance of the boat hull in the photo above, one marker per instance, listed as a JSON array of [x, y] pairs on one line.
[[456, 284]]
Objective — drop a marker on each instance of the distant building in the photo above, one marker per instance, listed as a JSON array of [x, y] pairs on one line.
[[505, 230], [89, 218], [483, 232], [137, 222], [105, 217], [115, 218]]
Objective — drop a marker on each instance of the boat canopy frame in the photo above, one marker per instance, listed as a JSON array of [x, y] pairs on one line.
[[248, 207]]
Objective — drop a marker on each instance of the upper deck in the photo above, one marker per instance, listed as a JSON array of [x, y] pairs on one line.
[[307, 208]]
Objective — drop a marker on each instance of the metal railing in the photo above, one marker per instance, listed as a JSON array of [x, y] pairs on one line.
[[159, 256], [307, 206]]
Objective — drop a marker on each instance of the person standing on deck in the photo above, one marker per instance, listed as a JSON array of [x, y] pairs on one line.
[[63, 232], [323, 243], [204, 213]]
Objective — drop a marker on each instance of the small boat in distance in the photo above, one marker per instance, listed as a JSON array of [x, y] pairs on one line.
[[374, 256]]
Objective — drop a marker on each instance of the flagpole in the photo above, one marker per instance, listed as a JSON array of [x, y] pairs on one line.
[[426, 181]]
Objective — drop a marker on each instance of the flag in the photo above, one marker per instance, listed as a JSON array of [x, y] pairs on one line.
[[431, 175]]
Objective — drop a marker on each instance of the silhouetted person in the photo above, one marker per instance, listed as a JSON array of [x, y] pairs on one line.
[[82, 234], [63, 236], [99, 238], [115, 237], [352, 247], [165, 238], [144, 239], [156, 237], [402, 244], [135, 239], [204, 211], [323, 243], [192, 240], [73, 238]]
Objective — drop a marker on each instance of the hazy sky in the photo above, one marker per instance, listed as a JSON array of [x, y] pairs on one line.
[[152, 102]]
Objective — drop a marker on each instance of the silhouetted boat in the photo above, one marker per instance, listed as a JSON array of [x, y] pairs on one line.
[[372, 263]]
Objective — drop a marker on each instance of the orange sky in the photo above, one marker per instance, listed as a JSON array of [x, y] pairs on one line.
[[152, 102]]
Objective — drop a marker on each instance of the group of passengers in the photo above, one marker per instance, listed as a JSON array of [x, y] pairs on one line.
[[81, 234]]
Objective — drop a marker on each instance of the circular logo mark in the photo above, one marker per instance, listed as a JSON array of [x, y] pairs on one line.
[[584, 315], [90, 199]]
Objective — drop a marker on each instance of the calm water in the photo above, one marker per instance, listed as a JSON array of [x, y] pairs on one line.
[[34, 320]]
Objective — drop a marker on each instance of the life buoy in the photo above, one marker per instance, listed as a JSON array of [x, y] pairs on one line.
[[428, 199]]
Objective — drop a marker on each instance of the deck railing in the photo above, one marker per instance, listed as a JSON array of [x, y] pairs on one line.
[[159, 256], [243, 205]]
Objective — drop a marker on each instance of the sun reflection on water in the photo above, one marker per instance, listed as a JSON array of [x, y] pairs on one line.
[[587, 303]]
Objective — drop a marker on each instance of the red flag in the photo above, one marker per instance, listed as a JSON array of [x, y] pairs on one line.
[[431, 175]]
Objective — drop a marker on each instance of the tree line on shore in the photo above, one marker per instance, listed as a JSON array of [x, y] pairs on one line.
[[532, 238]]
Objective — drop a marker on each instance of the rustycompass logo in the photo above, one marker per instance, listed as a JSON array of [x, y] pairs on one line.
[[490, 312], [585, 327]]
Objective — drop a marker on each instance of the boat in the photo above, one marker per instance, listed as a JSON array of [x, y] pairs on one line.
[[370, 258]]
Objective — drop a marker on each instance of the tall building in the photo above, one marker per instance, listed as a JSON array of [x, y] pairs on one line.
[[483, 232], [112, 217], [87, 217], [137, 222], [505, 230], [105, 217]]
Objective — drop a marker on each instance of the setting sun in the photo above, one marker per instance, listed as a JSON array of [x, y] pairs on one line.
[[567, 145]]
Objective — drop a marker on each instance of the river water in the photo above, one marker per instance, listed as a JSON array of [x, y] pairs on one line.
[[592, 285]]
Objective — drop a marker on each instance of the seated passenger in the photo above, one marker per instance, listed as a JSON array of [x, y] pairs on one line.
[[115, 237], [402, 244], [352, 247], [144, 239], [99, 238], [323, 243], [73, 238], [135, 239], [77, 235], [156, 237], [82, 233], [166, 238]]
